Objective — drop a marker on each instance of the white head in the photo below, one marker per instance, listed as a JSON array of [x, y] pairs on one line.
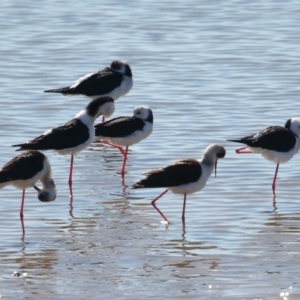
[[212, 153], [293, 125], [144, 113], [48, 192], [101, 106]]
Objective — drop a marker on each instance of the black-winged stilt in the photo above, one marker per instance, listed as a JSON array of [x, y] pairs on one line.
[[126, 131], [75, 135], [24, 170], [275, 143], [114, 81], [185, 176]]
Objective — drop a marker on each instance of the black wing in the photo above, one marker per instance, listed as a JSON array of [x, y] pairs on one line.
[[23, 166], [69, 135], [272, 138], [180, 172], [119, 127], [99, 83]]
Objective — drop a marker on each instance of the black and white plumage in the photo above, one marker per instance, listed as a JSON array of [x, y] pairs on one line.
[[126, 131], [113, 82], [24, 170], [275, 143], [75, 135], [185, 176]]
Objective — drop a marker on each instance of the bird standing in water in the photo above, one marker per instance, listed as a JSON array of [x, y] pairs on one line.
[[184, 176], [126, 131], [275, 143], [24, 170], [73, 136]]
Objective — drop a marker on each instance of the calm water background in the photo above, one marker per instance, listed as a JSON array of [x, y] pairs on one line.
[[210, 70]]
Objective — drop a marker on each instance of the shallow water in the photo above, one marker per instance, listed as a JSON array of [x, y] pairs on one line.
[[210, 71]]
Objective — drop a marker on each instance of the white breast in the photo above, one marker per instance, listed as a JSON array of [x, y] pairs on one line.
[[277, 157]]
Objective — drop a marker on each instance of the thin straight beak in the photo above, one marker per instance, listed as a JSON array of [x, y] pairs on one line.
[[36, 188], [216, 168]]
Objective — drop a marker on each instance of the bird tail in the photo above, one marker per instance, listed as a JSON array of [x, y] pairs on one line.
[[26, 147], [243, 150], [65, 90], [138, 185], [98, 129], [154, 179], [241, 141]]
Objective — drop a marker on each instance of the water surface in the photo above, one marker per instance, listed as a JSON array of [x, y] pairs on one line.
[[210, 71]]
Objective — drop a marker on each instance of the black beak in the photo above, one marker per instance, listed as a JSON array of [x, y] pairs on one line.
[[216, 168], [36, 188]]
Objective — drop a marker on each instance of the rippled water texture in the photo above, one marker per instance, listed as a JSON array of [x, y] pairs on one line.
[[210, 71]]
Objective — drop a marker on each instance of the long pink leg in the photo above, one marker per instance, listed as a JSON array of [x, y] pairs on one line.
[[71, 175], [21, 212], [274, 180], [153, 204], [242, 151], [71, 169], [103, 119], [183, 208], [112, 145], [22, 205], [124, 162]]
